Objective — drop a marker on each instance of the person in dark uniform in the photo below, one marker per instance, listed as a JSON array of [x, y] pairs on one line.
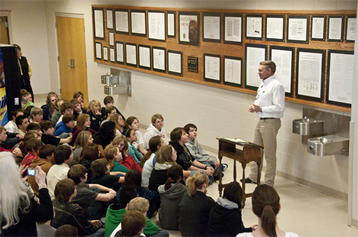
[[25, 71]]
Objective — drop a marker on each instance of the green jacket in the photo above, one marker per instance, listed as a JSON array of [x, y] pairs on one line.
[[114, 217]]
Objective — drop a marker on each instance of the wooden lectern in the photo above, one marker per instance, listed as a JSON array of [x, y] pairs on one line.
[[249, 152]]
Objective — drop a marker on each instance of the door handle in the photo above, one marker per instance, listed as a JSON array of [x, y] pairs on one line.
[[72, 63]]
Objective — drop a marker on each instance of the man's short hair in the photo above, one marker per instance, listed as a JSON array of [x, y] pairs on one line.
[[66, 230], [77, 172], [155, 117], [67, 118], [33, 126], [64, 189], [62, 153], [108, 99], [24, 92], [46, 150], [138, 204], [20, 119], [99, 167], [74, 102], [36, 110], [65, 105], [46, 125], [133, 223], [175, 135], [269, 64], [109, 110], [33, 144], [188, 126], [14, 112]]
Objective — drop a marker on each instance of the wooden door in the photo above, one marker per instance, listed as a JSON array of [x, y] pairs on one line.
[[4, 30], [72, 56]]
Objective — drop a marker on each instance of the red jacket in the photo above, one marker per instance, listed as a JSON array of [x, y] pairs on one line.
[[130, 163]]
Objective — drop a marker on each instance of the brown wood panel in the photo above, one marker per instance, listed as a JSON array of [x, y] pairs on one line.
[[228, 49]]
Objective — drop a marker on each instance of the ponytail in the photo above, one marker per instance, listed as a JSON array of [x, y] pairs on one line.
[[175, 174], [196, 181], [154, 142], [268, 221]]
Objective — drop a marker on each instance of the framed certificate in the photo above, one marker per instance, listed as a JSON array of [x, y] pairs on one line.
[[109, 19], [335, 28], [351, 27], [122, 21], [158, 59], [111, 38], [98, 50], [318, 27], [233, 29], [175, 62], [120, 52], [275, 28], [144, 56], [131, 54], [98, 23], [297, 29], [212, 27], [212, 68], [310, 74], [138, 23], [233, 71], [189, 28], [112, 55], [254, 27], [254, 54], [171, 24], [105, 53], [156, 26]]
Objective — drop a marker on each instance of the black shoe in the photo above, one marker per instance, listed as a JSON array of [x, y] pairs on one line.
[[216, 177], [248, 181]]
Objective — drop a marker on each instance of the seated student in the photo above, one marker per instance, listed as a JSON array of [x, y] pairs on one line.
[[29, 135], [77, 109], [65, 108], [35, 127], [26, 99], [133, 178], [78, 95], [68, 213], [178, 139], [133, 123], [89, 196], [36, 115], [104, 136], [48, 137], [83, 124], [3, 136], [131, 138], [66, 230], [195, 206], [108, 113], [133, 223], [266, 205], [225, 216], [32, 147], [116, 211], [50, 106], [64, 128], [95, 114], [21, 122], [147, 162], [142, 205], [108, 102], [197, 152], [57, 114], [11, 125], [120, 141], [114, 156], [45, 161], [89, 154], [118, 120], [171, 194], [63, 156], [155, 129], [83, 138], [102, 176]]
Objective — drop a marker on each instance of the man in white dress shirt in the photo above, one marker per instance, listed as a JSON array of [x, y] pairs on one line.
[[269, 106]]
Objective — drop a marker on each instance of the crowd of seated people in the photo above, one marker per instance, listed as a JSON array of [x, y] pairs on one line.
[[103, 176]]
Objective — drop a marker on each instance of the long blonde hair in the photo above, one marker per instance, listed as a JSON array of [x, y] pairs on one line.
[[164, 155], [195, 182], [13, 195]]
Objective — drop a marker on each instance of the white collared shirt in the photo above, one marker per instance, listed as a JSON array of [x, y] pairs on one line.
[[271, 97]]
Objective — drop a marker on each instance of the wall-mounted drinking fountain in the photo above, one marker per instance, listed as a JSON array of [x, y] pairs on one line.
[[328, 145], [307, 126], [117, 83]]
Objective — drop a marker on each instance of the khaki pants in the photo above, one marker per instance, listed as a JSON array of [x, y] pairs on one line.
[[266, 135]]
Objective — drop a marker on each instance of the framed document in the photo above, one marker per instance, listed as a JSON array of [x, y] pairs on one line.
[[105, 53], [297, 29], [158, 59], [98, 50], [318, 26], [122, 21], [120, 52], [111, 38], [233, 29], [156, 26], [131, 54], [275, 28], [192, 64], [254, 27], [138, 23], [254, 54], [350, 28], [171, 24], [340, 77], [212, 68], [335, 28], [109, 19], [232, 71], [98, 23], [310, 74], [175, 62], [144, 56], [112, 55], [284, 58], [212, 27], [189, 28]]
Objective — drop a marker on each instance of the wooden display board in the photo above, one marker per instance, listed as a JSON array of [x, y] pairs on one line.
[[192, 35]]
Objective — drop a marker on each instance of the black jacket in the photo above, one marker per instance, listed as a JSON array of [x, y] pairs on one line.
[[183, 158]]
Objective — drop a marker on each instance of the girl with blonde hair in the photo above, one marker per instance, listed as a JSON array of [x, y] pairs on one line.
[[83, 124], [118, 120], [95, 114], [83, 138]]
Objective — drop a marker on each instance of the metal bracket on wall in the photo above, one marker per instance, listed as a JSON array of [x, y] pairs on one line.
[[118, 82]]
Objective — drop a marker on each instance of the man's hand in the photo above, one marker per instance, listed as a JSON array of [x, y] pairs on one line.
[[255, 108]]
